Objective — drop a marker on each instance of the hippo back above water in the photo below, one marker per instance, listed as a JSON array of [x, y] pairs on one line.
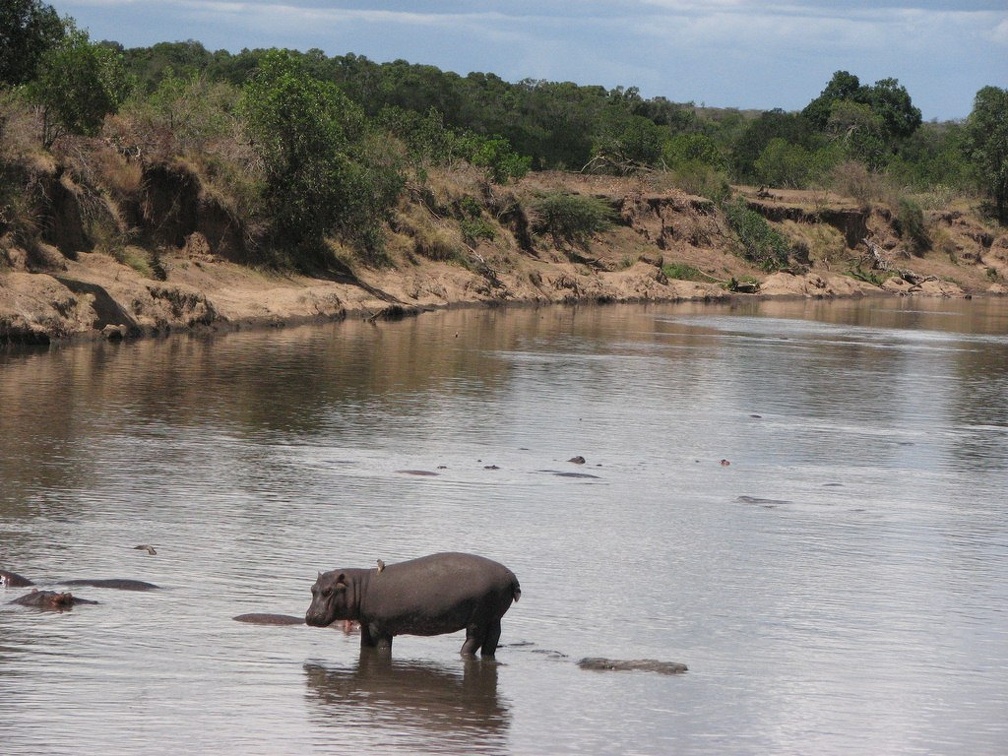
[[432, 595], [10, 579], [50, 600]]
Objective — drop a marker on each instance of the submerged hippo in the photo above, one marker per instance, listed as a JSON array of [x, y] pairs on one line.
[[436, 594], [55, 600], [13, 580], [266, 618], [121, 584]]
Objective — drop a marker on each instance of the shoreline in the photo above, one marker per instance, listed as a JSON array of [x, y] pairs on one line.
[[664, 246], [39, 309]]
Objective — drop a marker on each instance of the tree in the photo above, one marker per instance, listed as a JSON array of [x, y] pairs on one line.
[[860, 131], [886, 99], [625, 141], [891, 102], [843, 86], [78, 84], [793, 128], [686, 148], [784, 164], [986, 144], [322, 174], [27, 29], [933, 157]]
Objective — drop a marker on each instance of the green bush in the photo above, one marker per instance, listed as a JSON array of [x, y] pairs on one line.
[[571, 218], [475, 229], [78, 84], [792, 166], [761, 244], [324, 174], [28, 29], [501, 162], [683, 272], [909, 224]]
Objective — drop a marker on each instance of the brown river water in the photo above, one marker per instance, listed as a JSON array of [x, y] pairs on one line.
[[840, 586]]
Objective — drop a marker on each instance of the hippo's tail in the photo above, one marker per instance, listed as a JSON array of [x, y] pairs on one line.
[[515, 590]]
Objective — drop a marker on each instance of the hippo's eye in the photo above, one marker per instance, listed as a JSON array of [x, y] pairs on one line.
[[327, 592]]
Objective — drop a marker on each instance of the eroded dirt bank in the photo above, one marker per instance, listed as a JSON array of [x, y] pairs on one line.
[[662, 246]]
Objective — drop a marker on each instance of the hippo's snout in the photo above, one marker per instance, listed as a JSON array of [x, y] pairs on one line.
[[318, 614]]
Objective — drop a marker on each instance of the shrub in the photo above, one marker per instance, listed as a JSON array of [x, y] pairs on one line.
[[501, 162], [324, 175], [761, 244], [571, 218], [909, 224], [475, 229], [787, 165], [78, 84], [702, 180], [683, 272], [853, 179]]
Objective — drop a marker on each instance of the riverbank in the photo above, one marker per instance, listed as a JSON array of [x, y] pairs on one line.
[[663, 245]]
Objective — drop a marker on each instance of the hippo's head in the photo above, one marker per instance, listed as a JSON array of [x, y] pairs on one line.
[[331, 600], [60, 601]]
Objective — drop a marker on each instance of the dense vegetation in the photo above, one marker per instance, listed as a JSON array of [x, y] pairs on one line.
[[312, 151]]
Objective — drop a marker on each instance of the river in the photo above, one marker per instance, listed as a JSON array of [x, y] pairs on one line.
[[803, 502]]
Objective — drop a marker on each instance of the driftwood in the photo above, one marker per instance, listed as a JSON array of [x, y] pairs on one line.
[[875, 256], [615, 163], [879, 261]]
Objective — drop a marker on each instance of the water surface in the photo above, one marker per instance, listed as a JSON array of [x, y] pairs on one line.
[[803, 502]]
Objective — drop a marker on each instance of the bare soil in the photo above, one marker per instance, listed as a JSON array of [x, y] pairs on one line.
[[660, 238]]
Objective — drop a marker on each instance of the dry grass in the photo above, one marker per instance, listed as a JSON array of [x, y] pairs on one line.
[[825, 243]]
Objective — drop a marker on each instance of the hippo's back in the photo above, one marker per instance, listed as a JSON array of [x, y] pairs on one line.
[[441, 583]]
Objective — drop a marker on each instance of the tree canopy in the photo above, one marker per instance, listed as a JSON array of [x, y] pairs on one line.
[[887, 100], [987, 144], [27, 29], [313, 142], [77, 85]]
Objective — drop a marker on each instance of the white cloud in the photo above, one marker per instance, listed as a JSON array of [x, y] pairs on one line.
[[999, 34]]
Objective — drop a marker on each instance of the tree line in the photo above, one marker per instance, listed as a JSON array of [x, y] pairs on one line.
[[323, 144]]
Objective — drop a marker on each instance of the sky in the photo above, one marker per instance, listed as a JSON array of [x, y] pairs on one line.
[[719, 53]]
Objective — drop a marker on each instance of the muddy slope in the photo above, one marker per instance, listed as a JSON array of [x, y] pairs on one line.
[[182, 260]]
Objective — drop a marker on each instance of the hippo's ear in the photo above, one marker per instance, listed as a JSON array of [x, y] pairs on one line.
[[341, 581]]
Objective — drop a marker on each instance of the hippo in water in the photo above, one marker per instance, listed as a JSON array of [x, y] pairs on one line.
[[53, 600], [13, 580], [440, 593], [266, 618], [121, 584]]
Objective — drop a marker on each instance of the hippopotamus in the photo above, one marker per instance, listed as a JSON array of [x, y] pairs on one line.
[[50, 600], [122, 584], [264, 618], [432, 595], [13, 580]]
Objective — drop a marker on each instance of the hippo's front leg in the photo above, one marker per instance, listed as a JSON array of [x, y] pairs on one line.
[[371, 638]]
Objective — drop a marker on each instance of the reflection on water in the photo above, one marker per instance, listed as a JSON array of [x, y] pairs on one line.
[[433, 707], [838, 587]]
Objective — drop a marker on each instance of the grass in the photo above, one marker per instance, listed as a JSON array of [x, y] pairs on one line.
[[684, 272]]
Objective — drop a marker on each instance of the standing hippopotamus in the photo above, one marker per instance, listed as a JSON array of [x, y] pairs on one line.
[[436, 594], [50, 600]]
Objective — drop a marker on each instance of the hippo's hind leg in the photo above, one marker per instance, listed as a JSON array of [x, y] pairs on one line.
[[493, 633], [475, 635], [482, 637]]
